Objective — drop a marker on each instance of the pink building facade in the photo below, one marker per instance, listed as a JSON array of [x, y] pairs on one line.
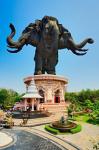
[[45, 92]]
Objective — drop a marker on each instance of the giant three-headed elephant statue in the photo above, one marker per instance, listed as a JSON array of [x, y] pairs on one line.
[[48, 36]]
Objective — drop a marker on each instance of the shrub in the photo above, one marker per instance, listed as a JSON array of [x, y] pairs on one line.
[[96, 146], [51, 130], [94, 117], [94, 122], [77, 129]]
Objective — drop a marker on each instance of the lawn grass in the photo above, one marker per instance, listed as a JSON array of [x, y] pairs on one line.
[[86, 118], [83, 118]]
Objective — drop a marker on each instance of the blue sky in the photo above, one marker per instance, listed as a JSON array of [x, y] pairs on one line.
[[79, 17]]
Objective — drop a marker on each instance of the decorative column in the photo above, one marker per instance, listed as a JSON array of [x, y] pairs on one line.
[[53, 96], [49, 95], [62, 95], [32, 104], [25, 103], [38, 101], [45, 96]]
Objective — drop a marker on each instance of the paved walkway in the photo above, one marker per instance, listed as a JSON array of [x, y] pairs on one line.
[[5, 139], [84, 140], [29, 141], [65, 145]]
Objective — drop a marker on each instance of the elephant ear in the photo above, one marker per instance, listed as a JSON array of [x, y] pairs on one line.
[[36, 27], [64, 31], [29, 28]]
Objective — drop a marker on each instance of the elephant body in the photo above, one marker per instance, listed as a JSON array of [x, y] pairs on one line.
[[48, 36]]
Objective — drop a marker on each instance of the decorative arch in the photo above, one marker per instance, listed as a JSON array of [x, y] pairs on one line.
[[41, 92], [41, 88], [57, 87], [57, 96]]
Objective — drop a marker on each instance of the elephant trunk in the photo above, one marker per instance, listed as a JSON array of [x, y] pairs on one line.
[[18, 45], [74, 46]]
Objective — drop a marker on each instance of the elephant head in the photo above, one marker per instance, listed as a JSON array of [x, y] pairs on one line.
[[66, 41], [30, 35]]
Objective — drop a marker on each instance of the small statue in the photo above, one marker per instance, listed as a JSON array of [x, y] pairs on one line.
[[48, 36], [62, 120]]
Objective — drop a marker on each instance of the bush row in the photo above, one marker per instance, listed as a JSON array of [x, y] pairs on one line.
[[51, 130], [77, 129], [95, 122]]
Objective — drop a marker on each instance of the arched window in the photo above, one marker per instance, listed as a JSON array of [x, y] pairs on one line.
[[57, 96], [41, 92]]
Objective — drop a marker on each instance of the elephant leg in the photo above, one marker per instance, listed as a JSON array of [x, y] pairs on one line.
[[51, 63], [43, 67], [51, 71], [38, 65]]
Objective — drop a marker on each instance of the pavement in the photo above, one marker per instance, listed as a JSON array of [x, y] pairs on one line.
[[83, 140], [38, 121], [5, 139], [29, 141], [59, 141]]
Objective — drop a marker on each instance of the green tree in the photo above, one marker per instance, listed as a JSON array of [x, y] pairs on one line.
[[8, 97], [89, 104], [4, 96]]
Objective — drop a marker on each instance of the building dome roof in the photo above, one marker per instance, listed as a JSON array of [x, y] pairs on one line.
[[32, 91]]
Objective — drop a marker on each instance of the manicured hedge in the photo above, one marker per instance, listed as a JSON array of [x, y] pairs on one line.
[[77, 129], [95, 122], [51, 130]]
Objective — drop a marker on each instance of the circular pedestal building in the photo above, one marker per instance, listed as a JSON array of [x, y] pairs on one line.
[[52, 88]]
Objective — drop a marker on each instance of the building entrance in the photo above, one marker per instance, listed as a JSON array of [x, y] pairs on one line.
[[57, 99]]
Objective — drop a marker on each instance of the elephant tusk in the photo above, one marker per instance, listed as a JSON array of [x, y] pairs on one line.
[[14, 51], [79, 54], [14, 47], [82, 50], [11, 46]]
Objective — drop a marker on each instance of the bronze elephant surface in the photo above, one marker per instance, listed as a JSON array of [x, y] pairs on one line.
[[48, 36]]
